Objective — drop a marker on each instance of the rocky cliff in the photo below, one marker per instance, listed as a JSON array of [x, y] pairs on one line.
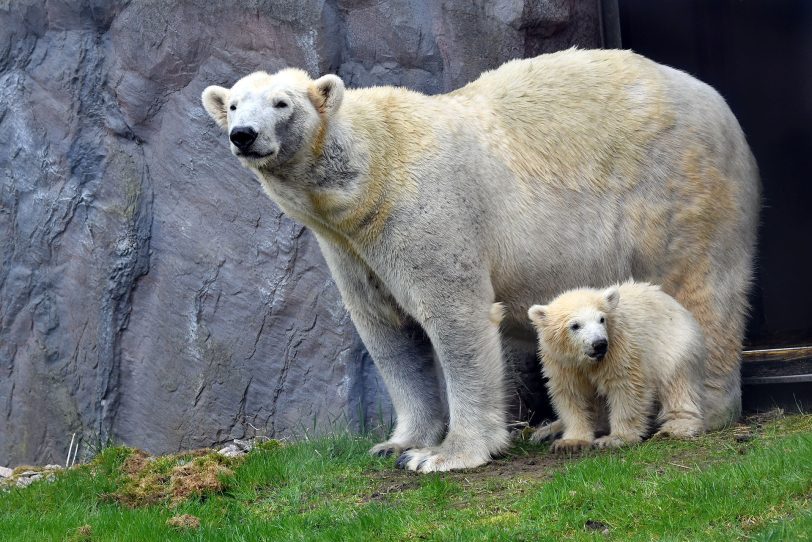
[[149, 293]]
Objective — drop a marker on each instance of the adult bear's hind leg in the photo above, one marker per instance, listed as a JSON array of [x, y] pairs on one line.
[[716, 296]]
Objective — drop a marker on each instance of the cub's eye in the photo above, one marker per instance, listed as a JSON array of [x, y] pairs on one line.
[[281, 104], [602, 319], [575, 326], [233, 107]]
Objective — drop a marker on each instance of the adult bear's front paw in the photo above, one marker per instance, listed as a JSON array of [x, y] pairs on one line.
[[406, 438], [385, 449], [456, 452], [680, 429], [439, 459]]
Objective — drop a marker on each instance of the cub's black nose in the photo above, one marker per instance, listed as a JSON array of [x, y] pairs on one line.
[[243, 137], [599, 347]]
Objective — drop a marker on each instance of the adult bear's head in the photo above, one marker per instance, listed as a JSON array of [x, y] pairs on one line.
[[271, 118]]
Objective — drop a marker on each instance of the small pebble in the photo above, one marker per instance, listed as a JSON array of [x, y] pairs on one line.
[[230, 451]]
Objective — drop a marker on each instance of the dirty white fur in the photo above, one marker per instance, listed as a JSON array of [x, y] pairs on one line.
[[655, 354], [579, 167]]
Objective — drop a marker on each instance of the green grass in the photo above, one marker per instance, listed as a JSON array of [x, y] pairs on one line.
[[713, 488]]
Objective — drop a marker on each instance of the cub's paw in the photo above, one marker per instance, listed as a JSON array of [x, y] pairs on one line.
[[547, 431], [388, 448], [569, 446], [614, 441]]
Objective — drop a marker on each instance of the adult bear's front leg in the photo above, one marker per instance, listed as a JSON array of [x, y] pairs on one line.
[[470, 354], [405, 360], [400, 349]]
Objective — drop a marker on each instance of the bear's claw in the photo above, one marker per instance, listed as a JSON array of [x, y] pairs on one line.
[[547, 431], [386, 449], [402, 460]]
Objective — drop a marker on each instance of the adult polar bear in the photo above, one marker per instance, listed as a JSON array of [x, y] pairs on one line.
[[568, 169]]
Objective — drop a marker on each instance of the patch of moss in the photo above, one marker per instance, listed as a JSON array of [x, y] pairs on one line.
[[267, 445]]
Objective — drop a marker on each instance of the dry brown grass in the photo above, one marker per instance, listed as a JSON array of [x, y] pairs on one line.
[[25, 468], [202, 476], [184, 521], [172, 478], [136, 462]]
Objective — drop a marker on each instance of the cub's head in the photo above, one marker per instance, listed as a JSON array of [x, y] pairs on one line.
[[270, 118], [574, 327]]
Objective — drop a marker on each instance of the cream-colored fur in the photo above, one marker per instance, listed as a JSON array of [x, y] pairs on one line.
[[579, 167], [655, 355]]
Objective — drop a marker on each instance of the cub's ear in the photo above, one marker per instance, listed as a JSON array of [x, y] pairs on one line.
[[537, 314], [326, 93], [214, 101], [611, 296]]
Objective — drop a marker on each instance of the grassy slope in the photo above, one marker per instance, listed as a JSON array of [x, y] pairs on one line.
[[715, 488]]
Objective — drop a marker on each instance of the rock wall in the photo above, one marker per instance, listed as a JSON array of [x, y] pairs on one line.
[[149, 293]]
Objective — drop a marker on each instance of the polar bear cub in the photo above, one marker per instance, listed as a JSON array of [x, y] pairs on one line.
[[630, 345]]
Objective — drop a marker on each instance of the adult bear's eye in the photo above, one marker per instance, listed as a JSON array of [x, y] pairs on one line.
[[574, 326], [280, 104], [233, 107]]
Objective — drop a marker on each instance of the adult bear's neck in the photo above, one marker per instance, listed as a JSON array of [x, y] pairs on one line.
[[353, 174], [336, 162], [355, 183]]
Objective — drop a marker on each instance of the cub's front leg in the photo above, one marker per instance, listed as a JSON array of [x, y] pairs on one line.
[[629, 405], [573, 398]]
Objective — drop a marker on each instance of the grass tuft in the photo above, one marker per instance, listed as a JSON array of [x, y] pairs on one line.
[[81, 534]]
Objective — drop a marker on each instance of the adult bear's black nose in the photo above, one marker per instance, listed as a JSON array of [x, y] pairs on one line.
[[243, 137], [599, 348]]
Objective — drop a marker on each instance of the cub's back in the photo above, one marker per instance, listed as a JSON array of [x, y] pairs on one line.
[[657, 323]]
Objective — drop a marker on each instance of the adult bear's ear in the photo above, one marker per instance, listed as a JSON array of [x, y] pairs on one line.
[[611, 296], [537, 314], [214, 101], [326, 94]]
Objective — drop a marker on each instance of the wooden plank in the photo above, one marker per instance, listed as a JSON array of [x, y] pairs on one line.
[[777, 354], [771, 368], [777, 366], [787, 379]]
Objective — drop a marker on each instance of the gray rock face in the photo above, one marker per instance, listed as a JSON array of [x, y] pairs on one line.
[[149, 293]]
